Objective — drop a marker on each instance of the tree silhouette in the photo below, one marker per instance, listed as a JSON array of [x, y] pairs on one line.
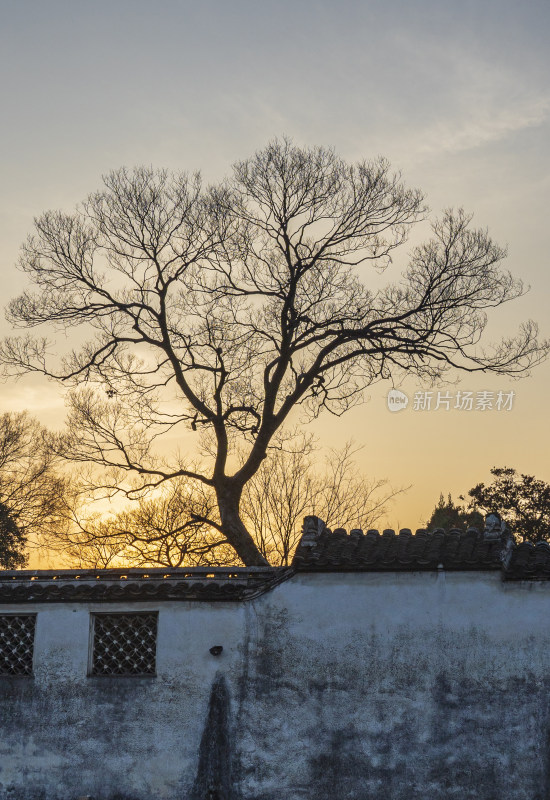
[[169, 529], [448, 515], [12, 541], [523, 501], [220, 310], [33, 493]]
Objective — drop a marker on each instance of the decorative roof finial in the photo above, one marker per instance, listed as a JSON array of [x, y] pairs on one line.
[[312, 528], [494, 526]]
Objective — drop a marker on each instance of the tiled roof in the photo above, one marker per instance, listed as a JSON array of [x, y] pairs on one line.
[[529, 561], [132, 585], [371, 551], [319, 550]]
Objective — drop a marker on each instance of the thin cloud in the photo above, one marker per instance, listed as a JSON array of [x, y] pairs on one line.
[[466, 100], [481, 126]]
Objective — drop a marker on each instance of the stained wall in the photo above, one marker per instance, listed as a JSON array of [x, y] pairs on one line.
[[367, 686]]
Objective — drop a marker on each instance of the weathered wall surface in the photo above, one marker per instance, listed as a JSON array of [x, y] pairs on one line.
[[363, 686], [64, 735], [404, 687]]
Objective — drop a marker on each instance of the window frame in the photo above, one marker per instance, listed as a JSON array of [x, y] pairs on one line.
[[34, 616], [91, 648]]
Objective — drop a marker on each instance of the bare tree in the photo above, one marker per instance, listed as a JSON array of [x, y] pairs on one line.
[[222, 309], [168, 529], [172, 527], [289, 485], [91, 547], [33, 492]]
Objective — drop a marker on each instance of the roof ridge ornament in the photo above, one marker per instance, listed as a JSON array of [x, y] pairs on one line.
[[312, 529], [495, 527]]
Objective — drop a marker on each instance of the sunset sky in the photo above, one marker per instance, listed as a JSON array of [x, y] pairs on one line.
[[455, 95]]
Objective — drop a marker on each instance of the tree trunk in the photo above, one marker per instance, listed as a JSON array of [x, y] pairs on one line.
[[234, 529]]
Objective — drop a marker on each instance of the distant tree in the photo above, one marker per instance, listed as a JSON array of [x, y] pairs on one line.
[[86, 548], [223, 309], [291, 484], [167, 529], [173, 528], [523, 501], [448, 515], [12, 541], [33, 493]]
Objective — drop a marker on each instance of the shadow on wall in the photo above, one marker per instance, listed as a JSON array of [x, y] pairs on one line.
[[213, 780]]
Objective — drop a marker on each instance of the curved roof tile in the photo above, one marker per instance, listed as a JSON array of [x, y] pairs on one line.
[[425, 550]]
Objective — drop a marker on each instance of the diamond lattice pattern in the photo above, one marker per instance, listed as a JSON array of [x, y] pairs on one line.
[[124, 644], [16, 643]]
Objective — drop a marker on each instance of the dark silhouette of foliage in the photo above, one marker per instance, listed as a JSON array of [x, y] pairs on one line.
[[12, 541], [448, 515], [523, 501], [33, 493]]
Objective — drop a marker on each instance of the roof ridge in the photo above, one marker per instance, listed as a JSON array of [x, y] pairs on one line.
[[453, 548]]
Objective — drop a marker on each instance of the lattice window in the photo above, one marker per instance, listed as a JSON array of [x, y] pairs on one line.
[[124, 644], [16, 643]]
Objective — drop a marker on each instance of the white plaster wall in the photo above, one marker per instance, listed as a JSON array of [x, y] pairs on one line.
[[403, 686], [343, 685], [70, 734]]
